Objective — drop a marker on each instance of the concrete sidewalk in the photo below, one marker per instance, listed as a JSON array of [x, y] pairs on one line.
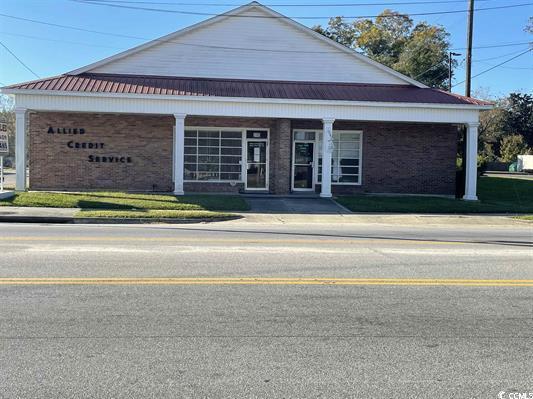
[[66, 215], [36, 214], [482, 220]]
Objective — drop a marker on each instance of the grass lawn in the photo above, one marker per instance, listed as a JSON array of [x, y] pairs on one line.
[[496, 195], [130, 202], [152, 213]]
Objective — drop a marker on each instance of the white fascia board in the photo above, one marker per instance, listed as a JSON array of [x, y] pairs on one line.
[[245, 99], [255, 108]]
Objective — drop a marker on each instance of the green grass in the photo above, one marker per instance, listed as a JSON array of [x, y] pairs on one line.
[[525, 217], [496, 195], [152, 213], [127, 201]]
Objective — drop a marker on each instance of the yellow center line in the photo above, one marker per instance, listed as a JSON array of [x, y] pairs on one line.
[[262, 281]]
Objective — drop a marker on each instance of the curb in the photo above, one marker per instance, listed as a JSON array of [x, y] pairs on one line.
[[73, 220], [35, 219], [149, 220]]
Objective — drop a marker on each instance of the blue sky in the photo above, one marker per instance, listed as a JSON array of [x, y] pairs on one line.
[[49, 50]]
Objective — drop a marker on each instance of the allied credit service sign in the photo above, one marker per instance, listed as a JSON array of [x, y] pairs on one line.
[[4, 144]]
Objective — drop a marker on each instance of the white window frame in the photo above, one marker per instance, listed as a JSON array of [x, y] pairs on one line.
[[244, 148], [316, 155]]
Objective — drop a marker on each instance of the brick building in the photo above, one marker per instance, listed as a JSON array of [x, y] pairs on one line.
[[242, 102]]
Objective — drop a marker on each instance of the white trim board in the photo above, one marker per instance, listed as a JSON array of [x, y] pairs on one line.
[[18, 92], [256, 108]]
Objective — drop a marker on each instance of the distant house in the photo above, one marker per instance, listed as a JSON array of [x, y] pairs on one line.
[[248, 101]]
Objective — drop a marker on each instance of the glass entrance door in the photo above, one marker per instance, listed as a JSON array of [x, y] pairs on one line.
[[256, 165], [302, 166]]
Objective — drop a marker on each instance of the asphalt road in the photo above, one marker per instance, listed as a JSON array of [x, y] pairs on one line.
[[139, 337]]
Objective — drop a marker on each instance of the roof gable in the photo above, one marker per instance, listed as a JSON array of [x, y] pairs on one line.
[[250, 42]]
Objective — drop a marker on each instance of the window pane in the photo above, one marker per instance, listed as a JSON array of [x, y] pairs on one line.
[[349, 136], [232, 135], [345, 157], [349, 179], [230, 159], [349, 153], [189, 168], [256, 134], [203, 149], [190, 150], [349, 145], [231, 143], [209, 134], [208, 176], [349, 162], [304, 135], [230, 151], [349, 170], [205, 167], [208, 142], [230, 168], [208, 159], [208, 150]]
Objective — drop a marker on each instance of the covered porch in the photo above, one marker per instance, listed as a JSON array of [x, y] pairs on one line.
[[347, 142]]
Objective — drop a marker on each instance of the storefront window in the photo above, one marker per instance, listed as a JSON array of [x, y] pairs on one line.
[[345, 159], [213, 155]]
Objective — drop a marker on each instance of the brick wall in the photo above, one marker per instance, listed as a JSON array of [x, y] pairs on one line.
[[414, 158], [397, 157], [280, 157], [146, 140]]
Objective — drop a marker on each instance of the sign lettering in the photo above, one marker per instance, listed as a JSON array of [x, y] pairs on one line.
[[88, 145], [4, 143]]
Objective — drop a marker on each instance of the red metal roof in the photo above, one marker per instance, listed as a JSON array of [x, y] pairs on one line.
[[177, 86]]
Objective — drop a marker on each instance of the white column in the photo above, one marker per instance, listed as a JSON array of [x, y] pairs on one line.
[[178, 157], [20, 148], [327, 149], [471, 162]]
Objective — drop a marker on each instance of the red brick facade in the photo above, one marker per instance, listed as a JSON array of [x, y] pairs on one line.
[[134, 152], [407, 158]]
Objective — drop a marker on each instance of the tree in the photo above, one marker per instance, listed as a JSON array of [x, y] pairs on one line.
[[419, 51], [512, 146], [519, 116]]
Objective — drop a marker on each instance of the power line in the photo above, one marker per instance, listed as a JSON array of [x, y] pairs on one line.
[[492, 45], [163, 10], [499, 56], [60, 41], [286, 5], [474, 61], [19, 60], [429, 69], [511, 67], [205, 45], [496, 66]]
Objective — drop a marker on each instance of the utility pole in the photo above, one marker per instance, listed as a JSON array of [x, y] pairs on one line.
[[450, 64], [469, 33]]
